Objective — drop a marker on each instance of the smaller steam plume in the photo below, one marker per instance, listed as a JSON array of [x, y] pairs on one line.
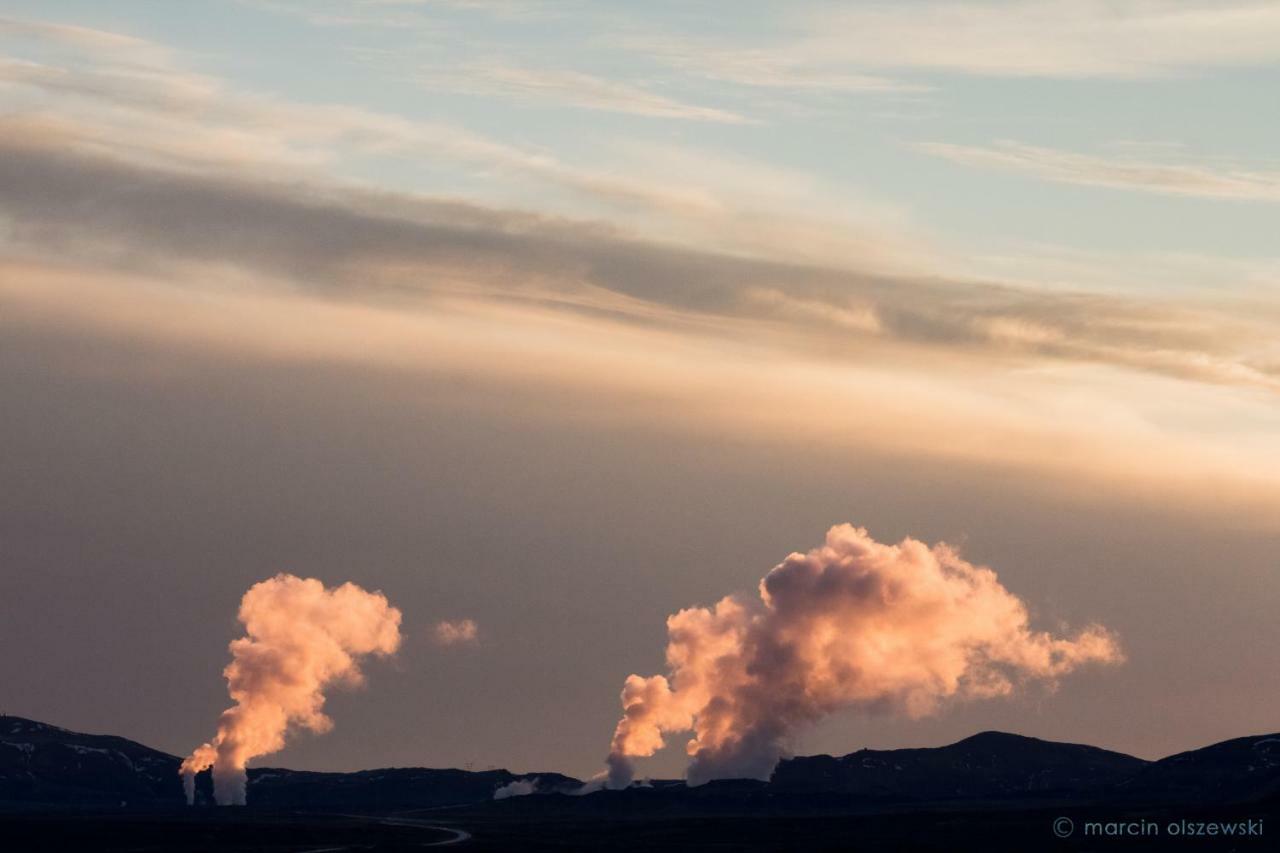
[[854, 624], [456, 633], [299, 639], [517, 788]]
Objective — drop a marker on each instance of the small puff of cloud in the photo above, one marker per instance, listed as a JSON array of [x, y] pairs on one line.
[[456, 632], [517, 788]]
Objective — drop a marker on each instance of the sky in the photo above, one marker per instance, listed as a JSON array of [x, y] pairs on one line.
[[550, 319]]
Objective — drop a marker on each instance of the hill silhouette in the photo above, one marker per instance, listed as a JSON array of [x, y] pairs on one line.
[[48, 765]]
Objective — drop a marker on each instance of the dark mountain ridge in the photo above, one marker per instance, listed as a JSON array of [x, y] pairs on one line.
[[1236, 770], [47, 765], [985, 766]]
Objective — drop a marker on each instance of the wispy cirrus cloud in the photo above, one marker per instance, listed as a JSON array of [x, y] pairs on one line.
[[888, 47], [417, 16], [1115, 172], [139, 102], [572, 88], [95, 41], [1041, 38], [502, 7], [159, 112], [765, 67]]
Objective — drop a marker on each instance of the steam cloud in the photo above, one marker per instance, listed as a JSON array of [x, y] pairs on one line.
[[300, 638], [456, 633], [517, 788], [852, 624]]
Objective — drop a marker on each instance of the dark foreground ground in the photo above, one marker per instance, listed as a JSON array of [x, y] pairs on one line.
[[496, 829]]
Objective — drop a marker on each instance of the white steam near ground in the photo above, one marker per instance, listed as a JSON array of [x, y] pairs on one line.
[[300, 638], [517, 788], [853, 624]]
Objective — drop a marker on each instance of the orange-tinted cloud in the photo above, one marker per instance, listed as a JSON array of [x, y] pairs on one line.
[[456, 632], [851, 624], [299, 639]]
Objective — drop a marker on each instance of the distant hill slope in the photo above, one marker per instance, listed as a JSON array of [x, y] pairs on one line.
[[46, 764], [1238, 770], [985, 766]]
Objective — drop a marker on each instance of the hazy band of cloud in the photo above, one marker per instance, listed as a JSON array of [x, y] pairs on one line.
[[326, 237], [545, 366], [551, 307]]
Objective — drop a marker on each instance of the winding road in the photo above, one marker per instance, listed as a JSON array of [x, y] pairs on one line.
[[458, 835]]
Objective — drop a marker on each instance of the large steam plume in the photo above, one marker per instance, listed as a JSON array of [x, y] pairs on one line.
[[852, 624], [299, 639]]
